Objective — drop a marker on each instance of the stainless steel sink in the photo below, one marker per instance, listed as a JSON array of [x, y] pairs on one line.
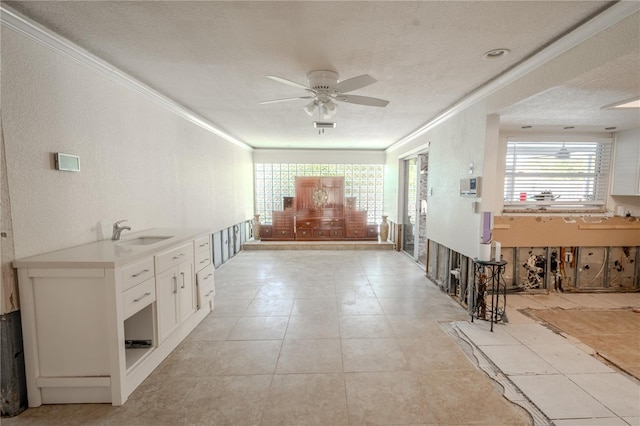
[[142, 241]]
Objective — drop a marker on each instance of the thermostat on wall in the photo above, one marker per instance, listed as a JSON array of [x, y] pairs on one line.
[[470, 187], [67, 162]]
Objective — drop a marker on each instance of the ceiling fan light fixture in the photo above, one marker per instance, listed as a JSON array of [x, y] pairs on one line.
[[329, 109], [563, 154], [311, 108]]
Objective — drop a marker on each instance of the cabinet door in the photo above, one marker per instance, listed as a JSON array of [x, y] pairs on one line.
[[186, 291], [626, 166], [167, 295]]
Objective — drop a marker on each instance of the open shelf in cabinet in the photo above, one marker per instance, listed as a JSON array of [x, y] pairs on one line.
[[139, 336]]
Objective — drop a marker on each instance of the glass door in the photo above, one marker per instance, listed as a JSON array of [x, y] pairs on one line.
[[410, 207], [422, 190]]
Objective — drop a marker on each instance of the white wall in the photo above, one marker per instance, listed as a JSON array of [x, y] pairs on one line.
[[452, 145], [139, 161], [316, 156], [473, 135]]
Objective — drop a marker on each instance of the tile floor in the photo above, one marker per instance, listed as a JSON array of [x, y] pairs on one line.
[[362, 337], [558, 373], [312, 338]]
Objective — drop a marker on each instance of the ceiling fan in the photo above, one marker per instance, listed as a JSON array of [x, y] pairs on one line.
[[324, 88]]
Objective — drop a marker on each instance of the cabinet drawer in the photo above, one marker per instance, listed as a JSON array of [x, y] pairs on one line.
[[138, 297], [356, 232], [332, 223], [308, 223], [203, 259], [336, 233], [266, 231], [136, 273], [206, 285], [283, 233], [372, 231], [202, 244], [304, 232], [174, 257]]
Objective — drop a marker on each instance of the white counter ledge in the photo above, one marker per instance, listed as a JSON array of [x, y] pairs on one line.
[[109, 253]]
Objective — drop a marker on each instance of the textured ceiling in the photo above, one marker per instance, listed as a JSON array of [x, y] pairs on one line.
[[212, 57]]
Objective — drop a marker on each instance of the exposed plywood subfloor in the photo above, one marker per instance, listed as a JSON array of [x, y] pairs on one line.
[[613, 333]]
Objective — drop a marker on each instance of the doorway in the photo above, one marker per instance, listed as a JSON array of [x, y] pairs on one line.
[[414, 229]]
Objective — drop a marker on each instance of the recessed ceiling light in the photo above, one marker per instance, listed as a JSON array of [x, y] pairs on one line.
[[610, 128], [526, 127], [629, 103], [496, 53], [569, 127]]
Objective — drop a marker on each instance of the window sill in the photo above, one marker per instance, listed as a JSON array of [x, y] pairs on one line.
[[528, 211]]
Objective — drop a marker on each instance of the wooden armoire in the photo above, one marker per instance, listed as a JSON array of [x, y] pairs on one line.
[[319, 212]]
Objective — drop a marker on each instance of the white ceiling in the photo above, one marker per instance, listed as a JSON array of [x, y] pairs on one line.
[[212, 57]]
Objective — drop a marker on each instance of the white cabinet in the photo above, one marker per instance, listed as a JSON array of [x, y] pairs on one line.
[[175, 284], [176, 300], [186, 291], [206, 287], [204, 272], [626, 166], [98, 319], [167, 285]]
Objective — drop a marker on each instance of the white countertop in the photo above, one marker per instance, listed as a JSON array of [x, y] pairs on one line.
[[110, 254]]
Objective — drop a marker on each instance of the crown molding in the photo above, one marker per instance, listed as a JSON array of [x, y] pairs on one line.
[[25, 26], [601, 22]]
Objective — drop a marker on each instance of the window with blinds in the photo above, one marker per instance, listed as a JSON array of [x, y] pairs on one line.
[[557, 175]]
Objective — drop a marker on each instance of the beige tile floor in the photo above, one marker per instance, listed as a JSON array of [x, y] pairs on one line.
[[561, 375], [312, 338]]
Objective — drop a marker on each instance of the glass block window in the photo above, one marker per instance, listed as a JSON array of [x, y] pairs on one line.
[[275, 181], [557, 175]]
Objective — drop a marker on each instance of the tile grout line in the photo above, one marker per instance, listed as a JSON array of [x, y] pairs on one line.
[[510, 391]]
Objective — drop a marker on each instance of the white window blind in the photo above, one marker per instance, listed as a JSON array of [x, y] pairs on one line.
[[557, 175]]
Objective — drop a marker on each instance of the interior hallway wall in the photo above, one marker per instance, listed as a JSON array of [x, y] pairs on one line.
[[138, 161], [451, 219]]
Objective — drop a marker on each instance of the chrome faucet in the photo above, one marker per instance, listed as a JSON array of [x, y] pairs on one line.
[[117, 229]]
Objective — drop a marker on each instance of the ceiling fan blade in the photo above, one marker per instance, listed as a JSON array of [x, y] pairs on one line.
[[288, 82], [286, 99], [362, 100], [355, 83]]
